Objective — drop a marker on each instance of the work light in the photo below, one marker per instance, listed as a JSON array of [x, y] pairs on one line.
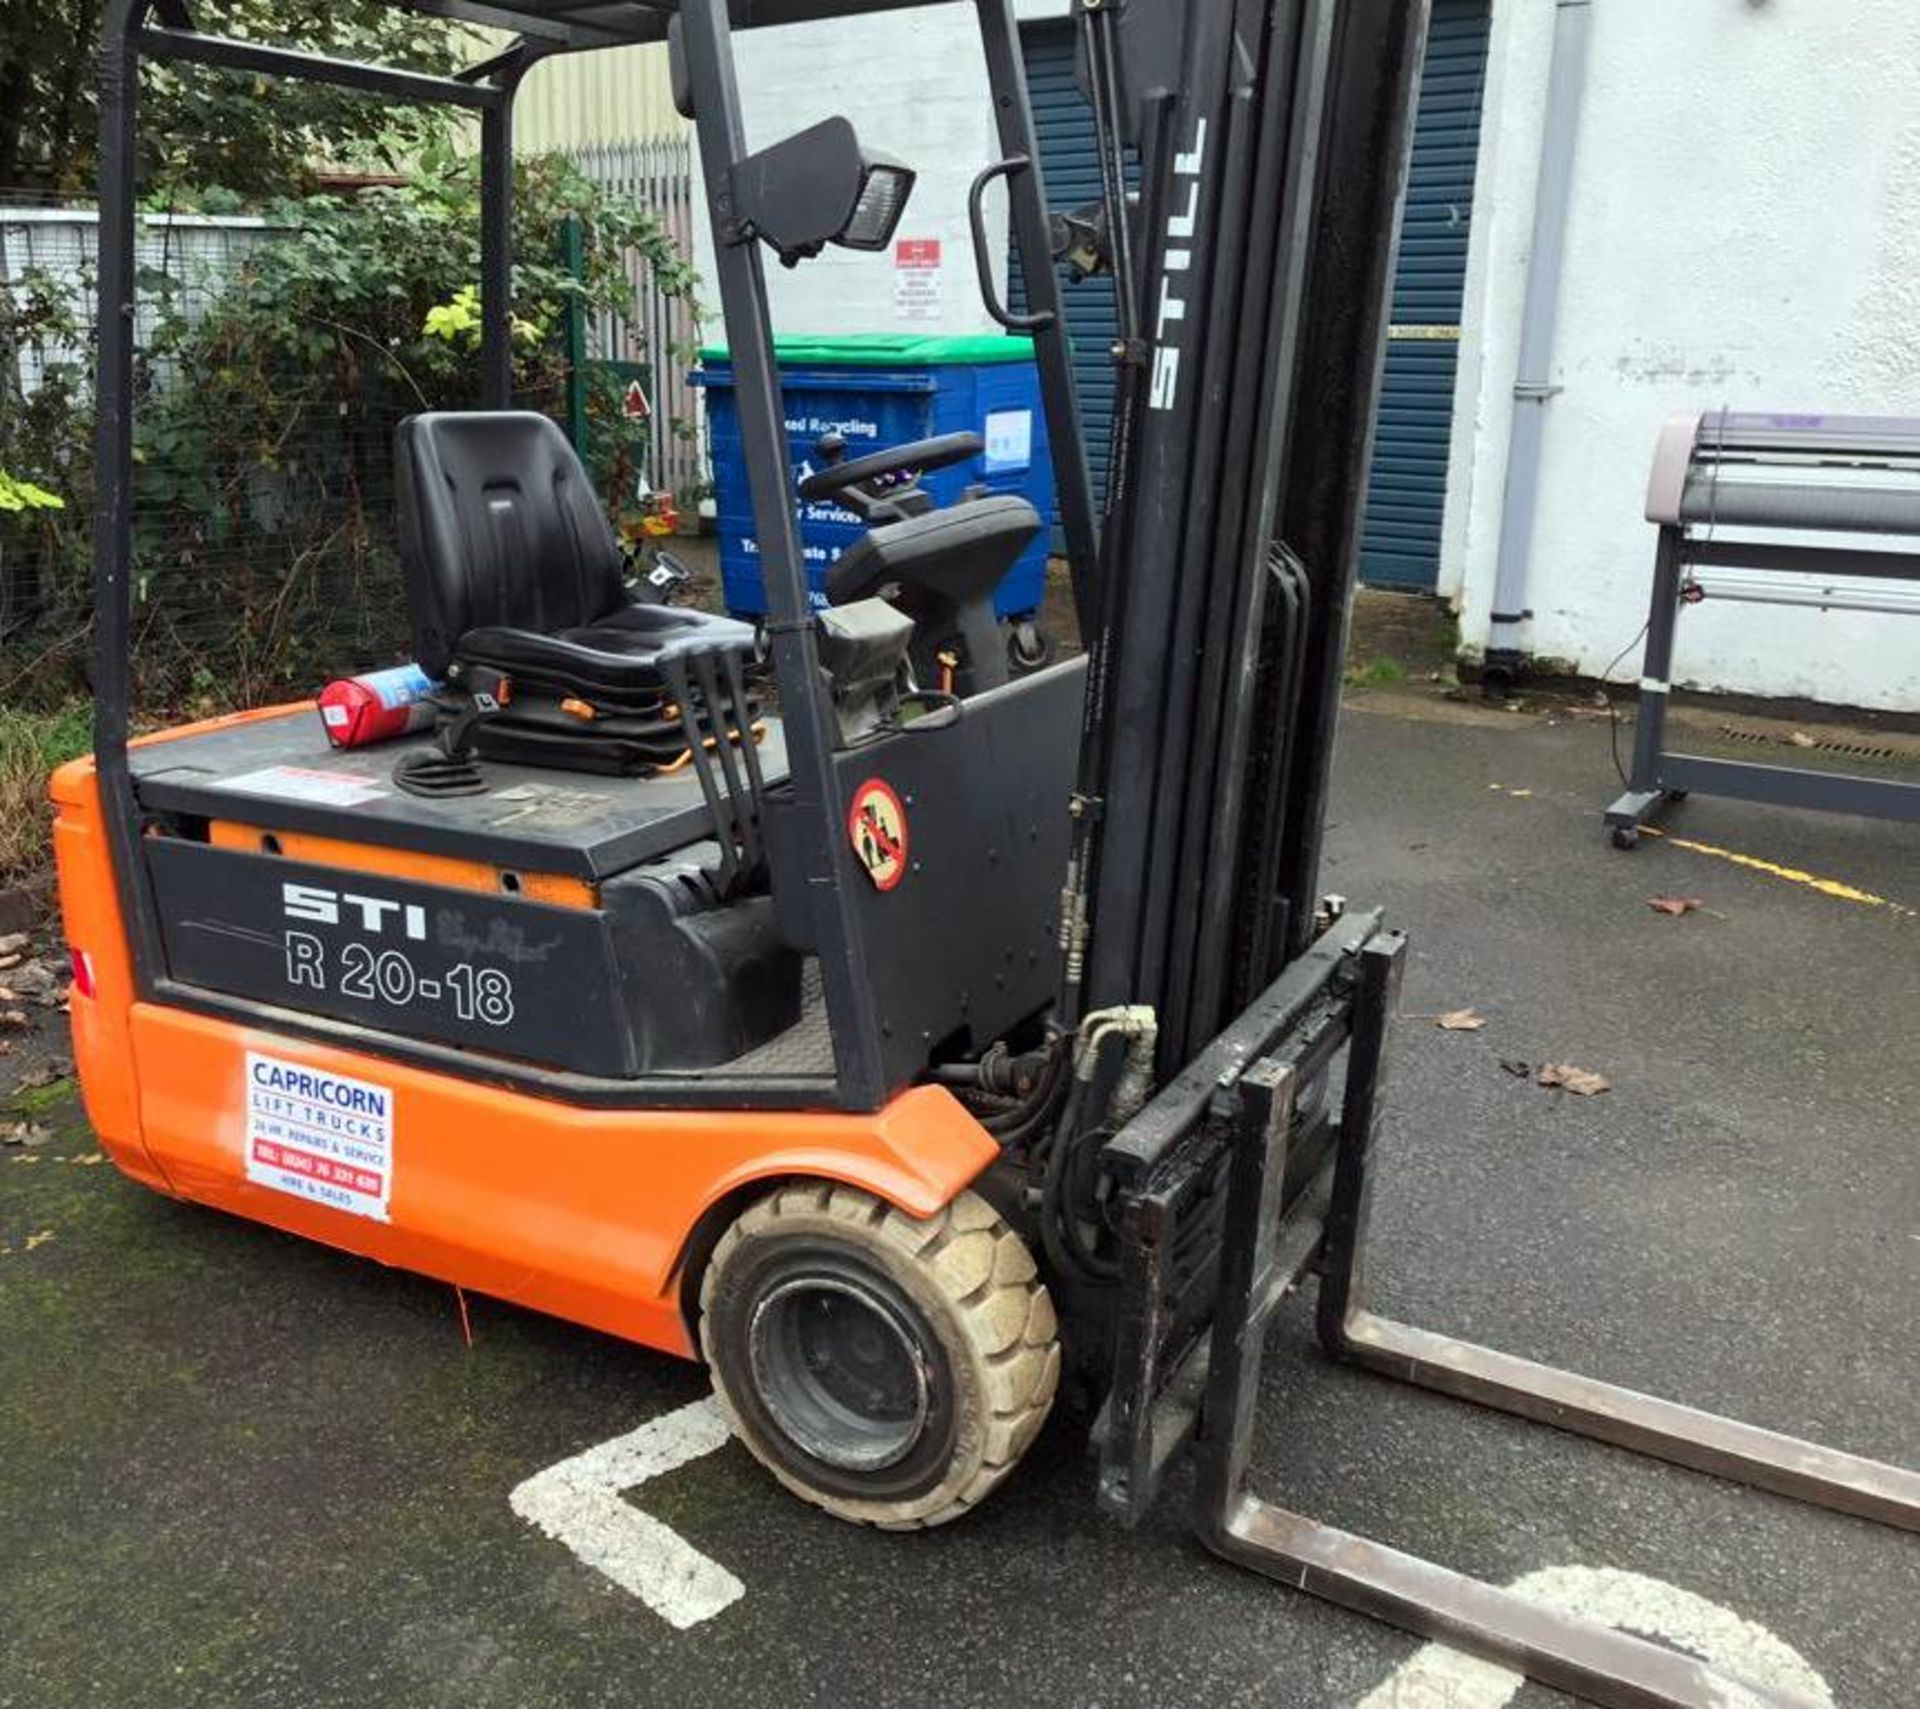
[[884, 188], [818, 187]]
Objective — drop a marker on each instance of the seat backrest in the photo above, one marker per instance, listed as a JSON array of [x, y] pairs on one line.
[[499, 527]]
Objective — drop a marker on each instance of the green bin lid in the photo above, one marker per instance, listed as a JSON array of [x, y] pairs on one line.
[[890, 350]]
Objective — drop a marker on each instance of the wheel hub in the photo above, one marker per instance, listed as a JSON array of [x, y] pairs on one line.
[[842, 1370]]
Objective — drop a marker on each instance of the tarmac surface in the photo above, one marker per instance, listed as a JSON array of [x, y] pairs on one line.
[[238, 1469]]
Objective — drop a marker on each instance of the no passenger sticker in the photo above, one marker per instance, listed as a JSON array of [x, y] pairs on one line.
[[877, 825], [319, 1136]]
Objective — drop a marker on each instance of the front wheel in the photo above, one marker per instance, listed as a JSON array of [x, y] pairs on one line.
[[890, 1370]]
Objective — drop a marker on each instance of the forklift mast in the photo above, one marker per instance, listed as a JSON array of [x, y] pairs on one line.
[[1272, 139]]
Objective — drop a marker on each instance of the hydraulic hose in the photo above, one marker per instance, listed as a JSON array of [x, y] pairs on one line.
[[1135, 1025]]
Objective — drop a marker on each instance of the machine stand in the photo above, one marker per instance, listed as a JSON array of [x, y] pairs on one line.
[[1764, 477]]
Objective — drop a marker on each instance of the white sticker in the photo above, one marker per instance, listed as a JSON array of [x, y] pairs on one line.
[[305, 783], [319, 1136], [916, 278], [1009, 438]]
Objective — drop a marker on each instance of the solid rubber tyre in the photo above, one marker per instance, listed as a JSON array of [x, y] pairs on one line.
[[960, 1288]]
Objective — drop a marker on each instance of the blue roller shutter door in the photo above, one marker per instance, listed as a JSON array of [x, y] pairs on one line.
[[1064, 124], [1407, 493], [1406, 498]]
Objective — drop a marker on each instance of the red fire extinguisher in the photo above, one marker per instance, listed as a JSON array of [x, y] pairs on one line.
[[376, 707]]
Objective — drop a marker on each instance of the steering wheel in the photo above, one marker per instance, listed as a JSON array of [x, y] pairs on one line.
[[916, 459]]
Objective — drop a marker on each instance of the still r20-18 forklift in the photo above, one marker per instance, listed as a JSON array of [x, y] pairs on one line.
[[946, 1047]]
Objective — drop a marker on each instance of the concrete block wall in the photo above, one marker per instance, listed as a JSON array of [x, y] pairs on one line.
[[1744, 229]]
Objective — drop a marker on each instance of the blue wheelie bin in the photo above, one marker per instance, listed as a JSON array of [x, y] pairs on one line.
[[878, 390]]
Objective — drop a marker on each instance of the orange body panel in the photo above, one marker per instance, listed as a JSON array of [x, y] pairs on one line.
[[582, 1212], [554, 887]]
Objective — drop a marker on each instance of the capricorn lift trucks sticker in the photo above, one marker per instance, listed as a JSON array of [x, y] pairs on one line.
[[319, 1136], [877, 825]]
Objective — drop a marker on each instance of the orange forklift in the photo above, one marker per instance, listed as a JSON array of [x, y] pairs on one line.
[[923, 1049]]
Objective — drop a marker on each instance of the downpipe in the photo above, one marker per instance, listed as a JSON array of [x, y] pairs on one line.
[[1533, 387]]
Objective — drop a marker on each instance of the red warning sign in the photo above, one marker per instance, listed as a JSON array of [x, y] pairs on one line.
[[877, 826], [635, 406]]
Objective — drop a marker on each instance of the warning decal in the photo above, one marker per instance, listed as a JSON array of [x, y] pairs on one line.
[[319, 1136], [877, 825], [308, 783]]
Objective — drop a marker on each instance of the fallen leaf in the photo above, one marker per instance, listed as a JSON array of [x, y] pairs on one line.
[[1674, 905], [42, 982], [47, 1074], [13, 942], [25, 1133], [1582, 1082], [1800, 739], [39, 1239], [1518, 1069], [1459, 1021]]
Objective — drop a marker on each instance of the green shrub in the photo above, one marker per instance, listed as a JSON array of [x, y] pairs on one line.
[[265, 404], [31, 745]]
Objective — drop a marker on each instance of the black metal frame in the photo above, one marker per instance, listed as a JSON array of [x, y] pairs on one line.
[[1217, 662], [163, 29], [1220, 1152]]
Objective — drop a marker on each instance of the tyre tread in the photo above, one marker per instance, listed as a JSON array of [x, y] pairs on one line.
[[1024, 1375]]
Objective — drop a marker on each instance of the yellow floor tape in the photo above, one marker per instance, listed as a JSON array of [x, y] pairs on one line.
[[1792, 874]]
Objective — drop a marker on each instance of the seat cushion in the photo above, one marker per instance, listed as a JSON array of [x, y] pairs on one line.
[[616, 660]]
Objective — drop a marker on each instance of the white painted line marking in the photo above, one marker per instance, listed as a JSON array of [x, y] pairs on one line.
[[1440, 1678], [578, 1503]]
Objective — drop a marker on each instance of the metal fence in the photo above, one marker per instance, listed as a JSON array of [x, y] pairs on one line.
[[201, 598], [664, 336], [61, 244], [264, 551]]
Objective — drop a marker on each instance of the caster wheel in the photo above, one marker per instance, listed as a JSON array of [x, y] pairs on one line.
[[1626, 836], [1029, 647], [890, 1370]]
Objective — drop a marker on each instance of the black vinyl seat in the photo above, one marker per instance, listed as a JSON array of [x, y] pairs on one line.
[[614, 662], [511, 564]]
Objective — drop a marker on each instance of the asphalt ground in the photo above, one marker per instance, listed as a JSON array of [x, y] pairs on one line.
[[238, 1469]]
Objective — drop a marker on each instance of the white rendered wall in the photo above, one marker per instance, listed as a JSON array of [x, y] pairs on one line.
[[915, 86], [1744, 230]]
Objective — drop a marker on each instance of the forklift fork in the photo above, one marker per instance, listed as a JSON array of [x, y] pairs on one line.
[[1274, 1231]]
